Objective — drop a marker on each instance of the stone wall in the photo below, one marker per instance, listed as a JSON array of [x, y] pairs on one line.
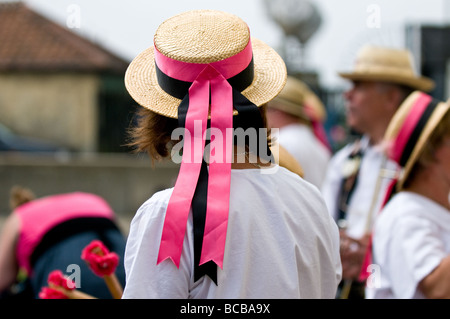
[[125, 181], [59, 107]]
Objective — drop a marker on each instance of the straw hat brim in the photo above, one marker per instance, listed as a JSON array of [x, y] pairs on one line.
[[319, 110], [438, 114], [141, 82], [398, 120], [420, 83], [295, 97], [279, 103]]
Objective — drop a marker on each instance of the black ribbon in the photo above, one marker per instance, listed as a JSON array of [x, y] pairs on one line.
[[409, 147], [179, 89], [198, 208], [249, 116]]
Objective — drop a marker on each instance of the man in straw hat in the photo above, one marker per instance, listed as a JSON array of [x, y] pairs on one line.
[[298, 114], [382, 78], [237, 226], [411, 238]]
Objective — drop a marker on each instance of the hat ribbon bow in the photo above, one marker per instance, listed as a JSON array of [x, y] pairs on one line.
[[209, 88]]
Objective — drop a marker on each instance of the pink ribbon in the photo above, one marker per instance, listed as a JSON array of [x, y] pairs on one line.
[[320, 133], [317, 126], [208, 81], [368, 257], [411, 120]]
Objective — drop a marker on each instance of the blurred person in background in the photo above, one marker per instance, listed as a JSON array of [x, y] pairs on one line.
[[353, 187], [411, 235], [49, 233], [299, 115]]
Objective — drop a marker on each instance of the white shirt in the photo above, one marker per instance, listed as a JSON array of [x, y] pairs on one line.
[[361, 211], [302, 144], [281, 243], [411, 237]]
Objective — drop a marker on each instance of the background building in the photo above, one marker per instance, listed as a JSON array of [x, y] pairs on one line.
[[430, 44], [58, 86]]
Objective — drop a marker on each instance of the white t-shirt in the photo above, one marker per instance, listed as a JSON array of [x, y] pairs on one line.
[[411, 237], [360, 204], [281, 243], [302, 144]]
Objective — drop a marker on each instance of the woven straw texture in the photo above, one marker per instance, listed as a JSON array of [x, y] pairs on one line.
[[295, 97], [398, 121], [203, 36], [387, 65]]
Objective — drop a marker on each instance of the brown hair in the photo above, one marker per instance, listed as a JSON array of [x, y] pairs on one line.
[[153, 133], [19, 195]]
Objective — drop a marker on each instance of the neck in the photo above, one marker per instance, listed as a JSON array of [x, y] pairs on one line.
[[376, 132]]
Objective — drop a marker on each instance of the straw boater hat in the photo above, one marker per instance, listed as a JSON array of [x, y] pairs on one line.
[[387, 65], [297, 99], [206, 36], [410, 129]]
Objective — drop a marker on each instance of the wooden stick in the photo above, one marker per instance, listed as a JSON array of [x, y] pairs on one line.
[[72, 294], [376, 194], [114, 286]]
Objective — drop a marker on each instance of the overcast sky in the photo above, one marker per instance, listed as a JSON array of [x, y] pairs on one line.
[[126, 27]]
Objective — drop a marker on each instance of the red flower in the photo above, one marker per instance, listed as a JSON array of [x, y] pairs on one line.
[[56, 278], [100, 260], [50, 293]]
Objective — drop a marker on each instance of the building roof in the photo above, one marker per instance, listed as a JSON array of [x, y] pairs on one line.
[[31, 42]]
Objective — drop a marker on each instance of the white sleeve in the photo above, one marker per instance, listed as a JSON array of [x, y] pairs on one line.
[[413, 252], [144, 278]]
